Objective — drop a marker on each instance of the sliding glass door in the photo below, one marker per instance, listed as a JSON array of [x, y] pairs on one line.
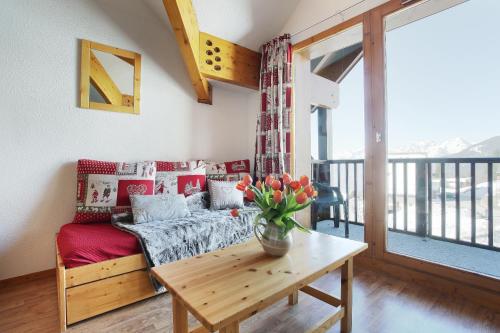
[[443, 138]]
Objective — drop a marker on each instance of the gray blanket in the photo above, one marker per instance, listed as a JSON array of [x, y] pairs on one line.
[[203, 231]]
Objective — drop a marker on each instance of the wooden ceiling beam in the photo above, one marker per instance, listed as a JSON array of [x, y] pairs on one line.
[[228, 62], [185, 25]]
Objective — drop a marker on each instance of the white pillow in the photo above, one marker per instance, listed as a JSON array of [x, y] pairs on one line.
[[148, 208], [224, 195]]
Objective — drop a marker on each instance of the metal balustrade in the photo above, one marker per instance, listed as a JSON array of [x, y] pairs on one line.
[[449, 199]]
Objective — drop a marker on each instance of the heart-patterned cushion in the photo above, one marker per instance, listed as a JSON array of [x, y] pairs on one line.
[[103, 188]]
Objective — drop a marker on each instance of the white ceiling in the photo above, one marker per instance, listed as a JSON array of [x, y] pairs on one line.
[[249, 23]]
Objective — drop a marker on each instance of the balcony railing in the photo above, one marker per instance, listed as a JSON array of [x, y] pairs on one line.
[[450, 199]]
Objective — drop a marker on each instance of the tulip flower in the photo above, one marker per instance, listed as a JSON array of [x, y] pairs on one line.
[[247, 180], [276, 184], [234, 212], [277, 196], [295, 185], [315, 194], [301, 198], [269, 180], [309, 190], [258, 184], [304, 180], [287, 179], [249, 194], [240, 186]]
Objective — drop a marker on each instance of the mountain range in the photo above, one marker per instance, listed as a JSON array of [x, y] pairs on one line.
[[456, 147]]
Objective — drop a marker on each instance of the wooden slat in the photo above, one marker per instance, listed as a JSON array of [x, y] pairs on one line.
[[321, 295], [61, 290], [231, 328], [85, 74], [103, 83], [113, 50], [104, 269], [293, 298], [199, 329], [180, 316], [127, 60], [94, 298], [228, 62], [110, 107], [137, 84], [327, 322], [185, 25], [221, 287], [327, 33], [346, 295]]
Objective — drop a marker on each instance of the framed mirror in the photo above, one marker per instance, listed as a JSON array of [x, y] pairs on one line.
[[110, 78]]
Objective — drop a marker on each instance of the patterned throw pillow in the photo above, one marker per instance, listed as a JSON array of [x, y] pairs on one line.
[[103, 188], [224, 195], [149, 208], [180, 177], [234, 170]]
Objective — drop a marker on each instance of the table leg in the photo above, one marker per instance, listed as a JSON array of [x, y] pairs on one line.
[[180, 316], [293, 298], [231, 328], [346, 296]]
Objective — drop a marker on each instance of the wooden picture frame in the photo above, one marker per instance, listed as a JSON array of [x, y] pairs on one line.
[[90, 68]]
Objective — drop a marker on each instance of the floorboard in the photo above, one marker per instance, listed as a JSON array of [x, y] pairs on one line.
[[381, 304]]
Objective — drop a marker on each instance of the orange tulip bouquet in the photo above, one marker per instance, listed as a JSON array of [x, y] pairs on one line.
[[278, 202]]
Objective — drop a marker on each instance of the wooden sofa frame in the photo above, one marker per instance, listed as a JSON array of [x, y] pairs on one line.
[[92, 289]]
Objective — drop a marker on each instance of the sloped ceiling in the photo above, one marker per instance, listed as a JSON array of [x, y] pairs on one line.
[[249, 23]]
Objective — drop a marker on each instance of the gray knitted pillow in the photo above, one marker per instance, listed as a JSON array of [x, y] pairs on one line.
[[224, 195], [149, 208]]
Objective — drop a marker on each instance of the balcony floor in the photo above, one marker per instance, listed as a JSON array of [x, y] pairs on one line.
[[451, 254]]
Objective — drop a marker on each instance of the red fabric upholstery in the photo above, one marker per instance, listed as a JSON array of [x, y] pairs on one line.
[[82, 244], [103, 188]]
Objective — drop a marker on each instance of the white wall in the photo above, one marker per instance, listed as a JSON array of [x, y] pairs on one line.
[[43, 132]]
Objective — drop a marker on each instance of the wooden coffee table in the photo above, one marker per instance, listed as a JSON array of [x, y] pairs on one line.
[[225, 287]]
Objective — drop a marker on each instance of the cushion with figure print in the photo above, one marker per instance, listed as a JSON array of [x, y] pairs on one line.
[[229, 171], [186, 178], [103, 188]]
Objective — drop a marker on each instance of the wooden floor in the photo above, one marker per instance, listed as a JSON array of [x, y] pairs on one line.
[[381, 304]]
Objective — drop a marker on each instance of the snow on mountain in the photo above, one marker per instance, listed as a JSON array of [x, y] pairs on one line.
[[432, 148], [456, 147], [487, 148]]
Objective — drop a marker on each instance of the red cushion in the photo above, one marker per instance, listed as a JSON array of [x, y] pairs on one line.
[[233, 170], [103, 188], [82, 244], [180, 177]]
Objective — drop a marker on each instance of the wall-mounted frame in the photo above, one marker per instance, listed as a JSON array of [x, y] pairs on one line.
[[110, 78]]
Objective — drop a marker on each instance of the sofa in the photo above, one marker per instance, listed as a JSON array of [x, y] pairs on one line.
[[103, 258]]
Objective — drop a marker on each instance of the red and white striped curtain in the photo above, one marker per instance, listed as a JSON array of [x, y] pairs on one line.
[[272, 147]]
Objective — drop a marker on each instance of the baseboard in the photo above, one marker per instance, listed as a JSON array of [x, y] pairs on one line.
[[27, 278], [480, 296]]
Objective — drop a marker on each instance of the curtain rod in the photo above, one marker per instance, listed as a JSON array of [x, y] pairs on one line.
[[329, 17]]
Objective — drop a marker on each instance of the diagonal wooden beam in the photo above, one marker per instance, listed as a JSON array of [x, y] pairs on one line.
[[185, 25], [103, 83]]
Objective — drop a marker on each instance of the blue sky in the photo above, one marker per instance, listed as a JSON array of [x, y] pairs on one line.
[[443, 81]]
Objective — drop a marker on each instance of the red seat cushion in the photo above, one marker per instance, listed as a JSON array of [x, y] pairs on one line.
[[82, 244]]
